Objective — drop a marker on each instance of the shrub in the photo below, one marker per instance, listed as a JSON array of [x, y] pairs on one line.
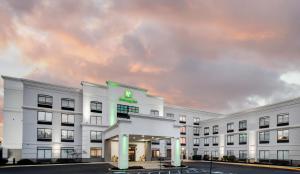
[[225, 158], [25, 162], [197, 157], [65, 160], [3, 161], [232, 158], [206, 157]]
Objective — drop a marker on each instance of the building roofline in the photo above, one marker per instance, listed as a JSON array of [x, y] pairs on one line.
[[116, 84], [33, 82], [93, 84], [193, 109]]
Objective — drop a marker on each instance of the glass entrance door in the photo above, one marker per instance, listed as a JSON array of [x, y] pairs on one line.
[[131, 152]]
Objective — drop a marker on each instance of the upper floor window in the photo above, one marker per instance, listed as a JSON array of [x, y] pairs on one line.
[[196, 131], [283, 136], [264, 137], [44, 134], [183, 141], [96, 137], [206, 143], [96, 120], [96, 107], [230, 140], [243, 125], [243, 138], [182, 119], [67, 136], [154, 112], [67, 119], [45, 101], [196, 121], [215, 129], [171, 115], [283, 119], [182, 130], [230, 127], [44, 117], [215, 141], [206, 131], [123, 110], [68, 104], [196, 141], [264, 122]]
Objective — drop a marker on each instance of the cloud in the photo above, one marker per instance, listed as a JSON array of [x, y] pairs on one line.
[[221, 57]]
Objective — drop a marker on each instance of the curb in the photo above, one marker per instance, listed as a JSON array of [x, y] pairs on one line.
[[144, 170], [45, 165]]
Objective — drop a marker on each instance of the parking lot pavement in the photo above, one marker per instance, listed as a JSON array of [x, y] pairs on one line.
[[194, 168]]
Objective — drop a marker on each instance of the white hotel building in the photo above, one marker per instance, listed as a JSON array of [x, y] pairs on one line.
[[118, 122]]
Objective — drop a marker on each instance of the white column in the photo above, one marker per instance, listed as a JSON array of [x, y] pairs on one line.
[[123, 151], [176, 150]]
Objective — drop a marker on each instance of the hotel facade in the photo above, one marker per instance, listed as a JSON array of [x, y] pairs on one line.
[[122, 123]]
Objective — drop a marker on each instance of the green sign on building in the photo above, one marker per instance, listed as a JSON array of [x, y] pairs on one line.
[[128, 97]]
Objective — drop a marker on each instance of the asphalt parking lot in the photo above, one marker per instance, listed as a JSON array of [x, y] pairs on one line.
[[196, 168]]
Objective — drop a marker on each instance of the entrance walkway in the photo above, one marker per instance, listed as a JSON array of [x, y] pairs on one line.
[[145, 164]]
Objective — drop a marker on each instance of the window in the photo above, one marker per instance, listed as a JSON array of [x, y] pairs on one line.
[[67, 152], [155, 142], [95, 152], [44, 117], [243, 125], [215, 154], [96, 120], [154, 112], [264, 122], [196, 141], [155, 154], [206, 143], [196, 121], [230, 153], [182, 141], [264, 154], [215, 129], [182, 119], [230, 127], [67, 120], [206, 131], [283, 119], [45, 101], [196, 131], [215, 141], [96, 107], [96, 137], [243, 154], [44, 153], [283, 136], [44, 134], [230, 140], [67, 104], [264, 137], [182, 130], [124, 110], [67, 136], [170, 115], [243, 138], [283, 155]]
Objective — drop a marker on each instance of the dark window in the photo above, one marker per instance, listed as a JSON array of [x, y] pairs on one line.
[[196, 141], [283, 119], [243, 125], [206, 131], [206, 143], [155, 142], [68, 104], [230, 127], [182, 119], [243, 138], [96, 137], [182, 130], [264, 137], [124, 110], [154, 112], [67, 120], [264, 122], [215, 141], [96, 107], [44, 134], [44, 153], [45, 101], [67, 152], [196, 121], [182, 141], [96, 120], [242, 154], [230, 140], [215, 129], [44, 117], [196, 131], [67, 136]]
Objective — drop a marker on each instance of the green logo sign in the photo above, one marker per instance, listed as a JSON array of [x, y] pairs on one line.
[[128, 97]]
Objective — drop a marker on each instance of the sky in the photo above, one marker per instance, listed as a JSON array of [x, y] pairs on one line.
[[220, 56]]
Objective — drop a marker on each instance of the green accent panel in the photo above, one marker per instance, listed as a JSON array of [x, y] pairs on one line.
[[112, 114], [113, 84], [128, 97], [177, 153]]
